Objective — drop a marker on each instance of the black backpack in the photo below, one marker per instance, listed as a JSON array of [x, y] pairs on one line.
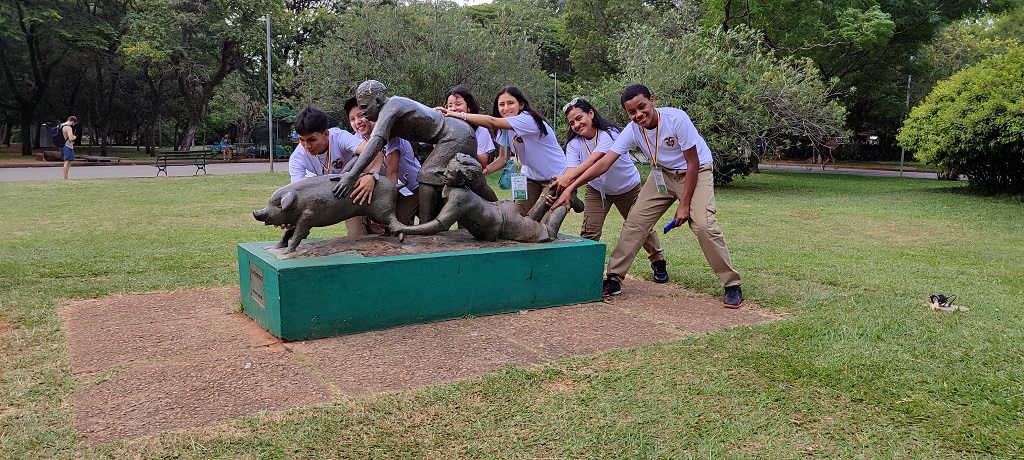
[[57, 133]]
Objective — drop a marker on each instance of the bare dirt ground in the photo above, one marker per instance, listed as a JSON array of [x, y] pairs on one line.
[[173, 360]]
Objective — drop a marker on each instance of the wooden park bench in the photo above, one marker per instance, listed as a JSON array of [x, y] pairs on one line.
[[179, 158]]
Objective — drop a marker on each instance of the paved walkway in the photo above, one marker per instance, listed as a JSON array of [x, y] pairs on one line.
[[52, 170], [816, 169]]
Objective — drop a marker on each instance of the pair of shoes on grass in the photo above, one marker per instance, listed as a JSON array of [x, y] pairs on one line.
[[612, 287]]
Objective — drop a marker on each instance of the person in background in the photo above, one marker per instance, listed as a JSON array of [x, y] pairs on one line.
[[527, 137], [67, 151], [225, 147], [461, 100], [590, 136], [681, 170]]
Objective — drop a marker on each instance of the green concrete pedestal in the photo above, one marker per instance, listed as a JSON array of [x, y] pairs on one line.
[[314, 297]]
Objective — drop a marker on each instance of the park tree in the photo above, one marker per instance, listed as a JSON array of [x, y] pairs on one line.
[[418, 54], [866, 45], [36, 37], [541, 21], [196, 44], [964, 43], [593, 27], [735, 89], [973, 124]]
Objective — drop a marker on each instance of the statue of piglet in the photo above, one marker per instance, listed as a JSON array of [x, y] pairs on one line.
[[309, 203]]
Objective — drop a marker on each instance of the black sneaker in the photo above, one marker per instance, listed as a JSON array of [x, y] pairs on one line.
[[660, 271], [611, 287], [733, 297]]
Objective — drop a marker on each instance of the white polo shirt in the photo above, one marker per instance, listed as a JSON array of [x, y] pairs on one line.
[[484, 143], [541, 156], [342, 144], [675, 133], [621, 177], [408, 165]]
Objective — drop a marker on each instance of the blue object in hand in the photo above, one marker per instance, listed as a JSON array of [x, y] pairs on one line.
[[669, 225]]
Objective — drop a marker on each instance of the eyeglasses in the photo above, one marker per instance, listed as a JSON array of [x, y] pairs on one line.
[[571, 104]]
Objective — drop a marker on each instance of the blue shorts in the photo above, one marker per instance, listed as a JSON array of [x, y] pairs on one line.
[[67, 153]]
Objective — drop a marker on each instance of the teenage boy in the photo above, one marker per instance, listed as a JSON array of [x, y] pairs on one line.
[[681, 169], [325, 150]]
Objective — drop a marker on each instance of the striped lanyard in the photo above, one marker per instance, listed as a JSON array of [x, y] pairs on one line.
[[327, 160], [596, 137], [653, 153]]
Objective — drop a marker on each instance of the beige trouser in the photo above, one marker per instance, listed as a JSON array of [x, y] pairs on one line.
[[533, 191], [595, 211], [651, 205]]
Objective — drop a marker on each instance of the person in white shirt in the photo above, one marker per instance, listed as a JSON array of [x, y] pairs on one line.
[[320, 147], [526, 136], [325, 150], [590, 136], [461, 100], [681, 170]]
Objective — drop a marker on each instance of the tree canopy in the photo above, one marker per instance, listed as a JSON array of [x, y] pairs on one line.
[[973, 123]]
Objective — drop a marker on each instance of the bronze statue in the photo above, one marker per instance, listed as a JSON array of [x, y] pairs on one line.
[[405, 118], [487, 221], [308, 203]]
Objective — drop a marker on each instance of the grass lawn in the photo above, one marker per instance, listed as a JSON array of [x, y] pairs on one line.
[[859, 368]]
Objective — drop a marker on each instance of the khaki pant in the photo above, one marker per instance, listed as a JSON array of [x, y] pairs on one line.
[[595, 211], [533, 191], [651, 205]]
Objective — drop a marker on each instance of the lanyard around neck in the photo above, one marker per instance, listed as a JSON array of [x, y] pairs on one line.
[[596, 137], [327, 160], [653, 153]]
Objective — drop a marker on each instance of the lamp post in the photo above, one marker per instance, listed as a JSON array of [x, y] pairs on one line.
[[903, 150], [554, 102], [270, 101]]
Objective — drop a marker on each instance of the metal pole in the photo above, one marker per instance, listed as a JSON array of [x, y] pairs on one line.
[[270, 103], [554, 103], [903, 150]]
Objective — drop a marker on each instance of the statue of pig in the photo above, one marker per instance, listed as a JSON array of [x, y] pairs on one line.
[[310, 202]]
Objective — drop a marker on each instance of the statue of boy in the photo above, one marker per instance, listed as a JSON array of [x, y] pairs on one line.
[[405, 118], [487, 221]]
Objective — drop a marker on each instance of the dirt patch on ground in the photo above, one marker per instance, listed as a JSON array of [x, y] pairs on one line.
[[174, 360]]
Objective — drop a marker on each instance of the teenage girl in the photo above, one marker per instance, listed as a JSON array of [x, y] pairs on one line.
[[590, 136], [461, 100], [527, 137]]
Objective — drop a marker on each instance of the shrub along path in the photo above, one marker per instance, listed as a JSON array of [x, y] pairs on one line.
[[162, 361]]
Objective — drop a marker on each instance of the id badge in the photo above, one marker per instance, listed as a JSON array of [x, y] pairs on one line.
[[659, 180], [518, 186]]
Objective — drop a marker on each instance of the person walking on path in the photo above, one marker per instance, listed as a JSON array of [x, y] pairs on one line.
[[681, 170], [67, 151]]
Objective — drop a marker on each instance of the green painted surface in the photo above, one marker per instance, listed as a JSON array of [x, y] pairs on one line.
[[314, 297]]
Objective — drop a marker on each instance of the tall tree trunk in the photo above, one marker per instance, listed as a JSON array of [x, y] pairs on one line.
[[26, 132]]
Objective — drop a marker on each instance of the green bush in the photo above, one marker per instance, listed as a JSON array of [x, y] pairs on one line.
[[734, 89], [973, 124]]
